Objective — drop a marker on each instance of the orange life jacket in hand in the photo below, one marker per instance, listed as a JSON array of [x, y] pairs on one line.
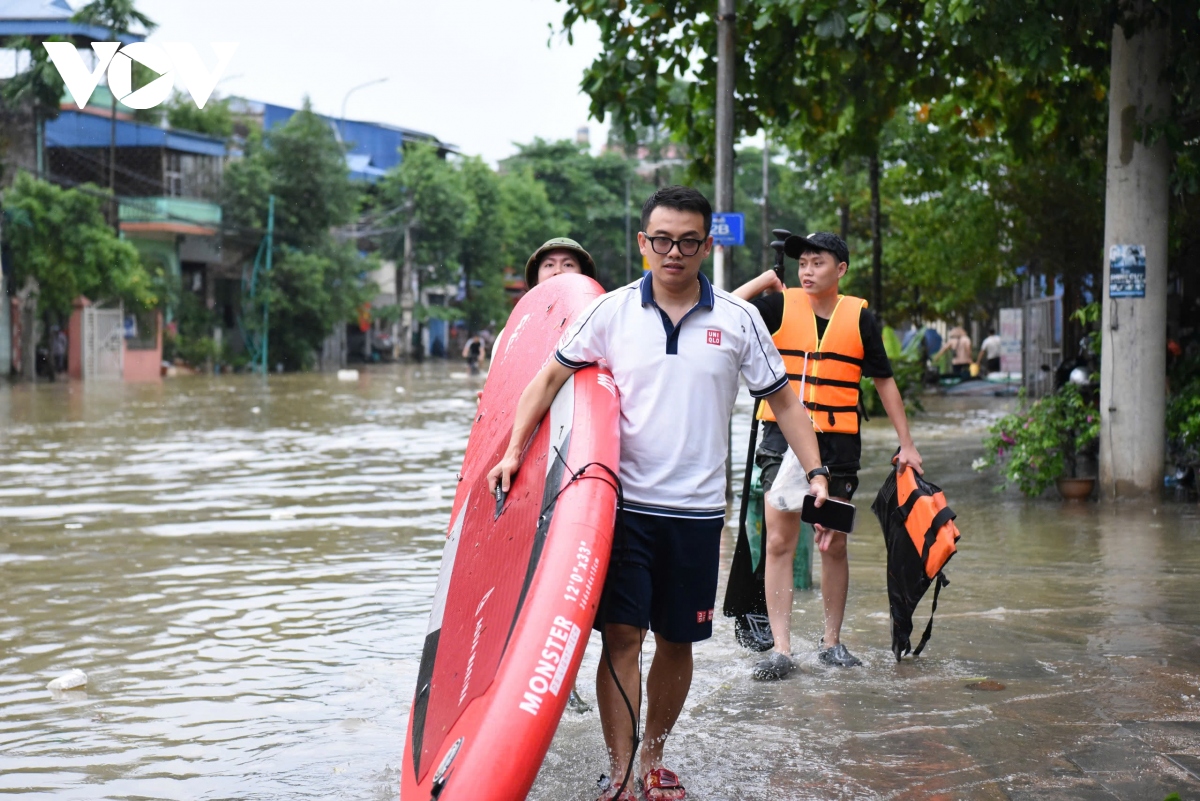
[[920, 534], [824, 373]]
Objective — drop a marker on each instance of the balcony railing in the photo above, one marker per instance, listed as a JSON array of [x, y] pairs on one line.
[[170, 209]]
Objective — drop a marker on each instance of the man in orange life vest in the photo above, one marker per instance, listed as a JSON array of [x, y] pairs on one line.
[[829, 342]]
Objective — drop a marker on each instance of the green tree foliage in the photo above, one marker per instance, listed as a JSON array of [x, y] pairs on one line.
[[60, 238], [40, 85], [39, 88], [119, 16], [245, 187], [526, 215], [1010, 99], [588, 195], [1183, 409], [482, 252], [309, 178], [315, 283], [468, 225], [310, 292], [302, 164], [215, 119], [430, 197]]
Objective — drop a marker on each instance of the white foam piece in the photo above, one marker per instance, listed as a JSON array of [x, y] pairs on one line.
[[69, 680]]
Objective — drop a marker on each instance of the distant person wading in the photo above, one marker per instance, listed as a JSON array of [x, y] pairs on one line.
[[989, 353]]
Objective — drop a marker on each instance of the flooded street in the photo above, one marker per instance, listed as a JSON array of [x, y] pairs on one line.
[[244, 570]]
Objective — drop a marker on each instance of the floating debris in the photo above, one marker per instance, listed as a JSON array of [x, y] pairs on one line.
[[71, 679], [255, 410], [347, 375], [987, 685]]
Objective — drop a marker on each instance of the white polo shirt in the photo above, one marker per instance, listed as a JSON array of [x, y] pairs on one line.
[[677, 387]]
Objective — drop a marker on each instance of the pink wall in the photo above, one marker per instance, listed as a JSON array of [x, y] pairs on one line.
[[75, 339], [140, 365], [145, 365]]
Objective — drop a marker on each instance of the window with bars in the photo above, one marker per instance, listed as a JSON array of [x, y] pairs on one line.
[[172, 174]]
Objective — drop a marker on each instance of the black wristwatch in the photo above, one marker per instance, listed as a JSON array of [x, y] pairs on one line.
[[819, 471]]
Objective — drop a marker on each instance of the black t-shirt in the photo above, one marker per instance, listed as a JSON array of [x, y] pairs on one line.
[[839, 452]]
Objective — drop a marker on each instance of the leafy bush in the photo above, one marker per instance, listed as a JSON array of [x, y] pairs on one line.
[[907, 369], [192, 339], [1039, 442], [1183, 412]]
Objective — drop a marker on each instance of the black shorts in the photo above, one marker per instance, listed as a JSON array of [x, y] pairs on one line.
[[993, 365], [842, 483], [839, 452], [663, 576]]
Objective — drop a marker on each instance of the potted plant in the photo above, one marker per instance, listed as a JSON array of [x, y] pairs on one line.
[[1046, 442]]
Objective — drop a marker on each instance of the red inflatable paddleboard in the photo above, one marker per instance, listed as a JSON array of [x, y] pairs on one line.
[[518, 592]]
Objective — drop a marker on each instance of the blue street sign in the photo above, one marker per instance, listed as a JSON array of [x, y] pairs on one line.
[[729, 229]]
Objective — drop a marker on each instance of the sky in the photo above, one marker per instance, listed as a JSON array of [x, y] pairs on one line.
[[476, 73]]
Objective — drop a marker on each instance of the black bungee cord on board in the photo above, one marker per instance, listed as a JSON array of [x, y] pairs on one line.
[[618, 532]]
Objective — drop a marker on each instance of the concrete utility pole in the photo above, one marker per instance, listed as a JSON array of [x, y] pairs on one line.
[[405, 288], [1133, 349], [725, 64]]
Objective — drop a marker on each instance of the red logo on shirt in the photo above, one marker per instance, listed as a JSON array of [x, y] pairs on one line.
[[714, 337]]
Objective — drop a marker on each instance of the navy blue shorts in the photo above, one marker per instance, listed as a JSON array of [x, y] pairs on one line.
[[663, 576]]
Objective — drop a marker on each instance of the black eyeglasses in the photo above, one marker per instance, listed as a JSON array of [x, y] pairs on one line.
[[662, 245]]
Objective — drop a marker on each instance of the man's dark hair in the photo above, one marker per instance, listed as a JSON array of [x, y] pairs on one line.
[[680, 198]]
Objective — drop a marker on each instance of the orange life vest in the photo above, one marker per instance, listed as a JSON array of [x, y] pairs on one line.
[[823, 373], [921, 536]]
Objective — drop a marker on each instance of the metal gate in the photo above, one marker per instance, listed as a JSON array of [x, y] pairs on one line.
[[103, 342], [1043, 344]]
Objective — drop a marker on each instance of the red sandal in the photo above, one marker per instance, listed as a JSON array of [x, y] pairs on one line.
[[611, 795], [662, 784]]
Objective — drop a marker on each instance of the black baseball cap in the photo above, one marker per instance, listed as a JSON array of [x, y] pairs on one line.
[[796, 245]]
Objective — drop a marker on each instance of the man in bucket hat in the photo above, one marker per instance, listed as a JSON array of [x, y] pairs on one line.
[[558, 255]]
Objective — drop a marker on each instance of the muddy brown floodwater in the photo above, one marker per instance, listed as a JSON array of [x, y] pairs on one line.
[[244, 570]]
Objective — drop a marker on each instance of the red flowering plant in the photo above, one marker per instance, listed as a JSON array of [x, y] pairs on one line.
[[1041, 441]]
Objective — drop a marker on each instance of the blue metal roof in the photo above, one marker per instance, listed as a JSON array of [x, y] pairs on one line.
[[52, 18], [77, 129], [374, 147]]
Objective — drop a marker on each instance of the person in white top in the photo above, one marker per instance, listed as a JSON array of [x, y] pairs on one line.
[[675, 346], [989, 353]]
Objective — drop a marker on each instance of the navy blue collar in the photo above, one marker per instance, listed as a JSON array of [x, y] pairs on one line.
[[707, 297]]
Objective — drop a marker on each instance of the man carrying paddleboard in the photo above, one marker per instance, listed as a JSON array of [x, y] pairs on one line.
[[675, 346], [830, 342]]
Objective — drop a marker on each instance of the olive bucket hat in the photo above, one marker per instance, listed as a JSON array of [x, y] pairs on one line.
[[559, 243]]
